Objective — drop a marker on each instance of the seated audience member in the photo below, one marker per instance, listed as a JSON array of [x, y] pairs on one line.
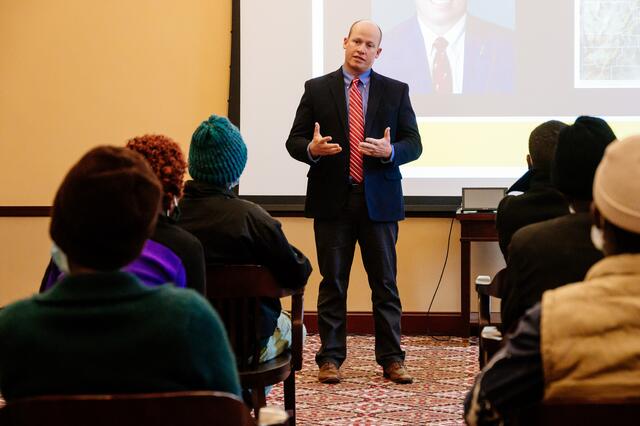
[[236, 231], [170, 255], [581, 342], [100, 330], [558, 251], [540, 200]]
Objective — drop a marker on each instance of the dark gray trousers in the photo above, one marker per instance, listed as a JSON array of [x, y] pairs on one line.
[[335, 243]]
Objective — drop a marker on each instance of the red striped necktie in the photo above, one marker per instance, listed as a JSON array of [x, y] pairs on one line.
[[442, 78], [356, 132]]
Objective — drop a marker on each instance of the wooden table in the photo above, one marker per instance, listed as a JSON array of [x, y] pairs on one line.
[[473, 227]]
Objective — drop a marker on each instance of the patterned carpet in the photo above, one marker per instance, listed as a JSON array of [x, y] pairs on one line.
[[443, 371]]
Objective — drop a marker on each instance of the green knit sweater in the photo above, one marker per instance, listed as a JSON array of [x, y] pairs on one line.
[[108, 333]]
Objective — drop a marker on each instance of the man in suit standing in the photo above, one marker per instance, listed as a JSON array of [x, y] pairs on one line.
[[354, 128], [443, 49]]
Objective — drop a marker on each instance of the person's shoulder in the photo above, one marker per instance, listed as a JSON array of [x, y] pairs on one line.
[[488, 31], [257, 212], [506, 202], [321, 81], [250, 207], [171, 234], [533, 197], [546, 196], [529, 234], [188, 308], [247, 211], [567, 220], [15, 313], [388, 81], [182, 300], [539, 235]]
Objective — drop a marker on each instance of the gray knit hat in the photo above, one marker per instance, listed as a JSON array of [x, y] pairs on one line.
[[217, 153]]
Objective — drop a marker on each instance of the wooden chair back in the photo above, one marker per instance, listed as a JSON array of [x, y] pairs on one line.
[[236, 292], [488, 346], [197, 408]]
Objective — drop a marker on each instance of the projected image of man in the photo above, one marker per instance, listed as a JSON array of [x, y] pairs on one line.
[[443, 49], [354, 128]]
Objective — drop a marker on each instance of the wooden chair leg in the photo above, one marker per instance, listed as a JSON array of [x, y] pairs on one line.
[[290, 397], [259, 401], [482, 352]]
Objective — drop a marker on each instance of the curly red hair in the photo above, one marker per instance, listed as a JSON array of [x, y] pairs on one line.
[[167, 161]]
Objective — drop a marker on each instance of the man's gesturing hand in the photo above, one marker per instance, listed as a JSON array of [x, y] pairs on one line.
[[320, 147], [380, 148]]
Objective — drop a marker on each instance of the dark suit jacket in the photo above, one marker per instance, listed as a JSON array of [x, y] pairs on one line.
[[488, 57], [543, 256], [328, 185], [541, 202]]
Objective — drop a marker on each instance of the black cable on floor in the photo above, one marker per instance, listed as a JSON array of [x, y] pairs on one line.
[[446, 258]]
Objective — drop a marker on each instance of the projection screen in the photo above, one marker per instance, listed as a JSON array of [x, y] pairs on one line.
[[518, 64]]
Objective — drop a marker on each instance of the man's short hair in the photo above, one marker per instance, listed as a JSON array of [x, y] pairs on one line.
[[542, 144]]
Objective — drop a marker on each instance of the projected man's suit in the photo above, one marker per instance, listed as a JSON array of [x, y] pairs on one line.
[[487, 67]]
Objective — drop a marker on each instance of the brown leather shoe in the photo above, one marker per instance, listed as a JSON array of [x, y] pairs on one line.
[[397, 373], [329, 373]]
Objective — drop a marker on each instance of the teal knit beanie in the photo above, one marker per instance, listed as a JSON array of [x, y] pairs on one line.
[[217, 153]]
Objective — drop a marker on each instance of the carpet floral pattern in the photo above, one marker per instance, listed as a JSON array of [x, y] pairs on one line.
[[443, 371]]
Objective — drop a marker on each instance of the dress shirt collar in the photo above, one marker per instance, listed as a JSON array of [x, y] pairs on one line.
[[364, 77]]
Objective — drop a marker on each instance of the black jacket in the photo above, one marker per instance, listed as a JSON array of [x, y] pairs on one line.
[[237, 231], [186, 247], [543, 256], [541, 202]]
